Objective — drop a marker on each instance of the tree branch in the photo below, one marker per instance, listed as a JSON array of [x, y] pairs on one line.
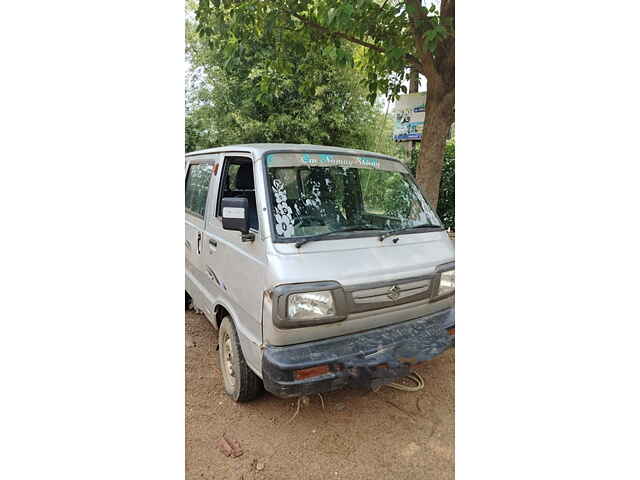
[[416, 14], [322, 28], [445, 53], [411, 60]]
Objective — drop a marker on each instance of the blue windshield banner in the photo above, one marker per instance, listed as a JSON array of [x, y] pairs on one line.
[[311, 159]]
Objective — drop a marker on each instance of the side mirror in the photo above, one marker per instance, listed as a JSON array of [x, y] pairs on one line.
[[235, 216]]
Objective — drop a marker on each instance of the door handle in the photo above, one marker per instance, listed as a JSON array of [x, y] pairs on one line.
[[213, 243], [199, 242]]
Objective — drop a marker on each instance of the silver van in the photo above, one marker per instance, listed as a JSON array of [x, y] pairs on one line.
[[320, 267]]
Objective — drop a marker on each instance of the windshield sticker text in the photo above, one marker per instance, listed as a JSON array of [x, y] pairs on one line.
[[325, 159]]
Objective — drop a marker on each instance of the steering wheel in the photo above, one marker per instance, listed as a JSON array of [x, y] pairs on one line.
[[308, 221]]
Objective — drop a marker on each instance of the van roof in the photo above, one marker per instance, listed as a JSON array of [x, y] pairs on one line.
[[258, 149]]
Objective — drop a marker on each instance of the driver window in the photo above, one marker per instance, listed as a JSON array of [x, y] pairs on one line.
[[237, 181]]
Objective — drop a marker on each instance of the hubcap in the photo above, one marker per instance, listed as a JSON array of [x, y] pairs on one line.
[[227, 359]]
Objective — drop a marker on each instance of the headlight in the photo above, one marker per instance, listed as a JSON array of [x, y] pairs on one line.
[[311, 305], [299, 305], [447, 283]]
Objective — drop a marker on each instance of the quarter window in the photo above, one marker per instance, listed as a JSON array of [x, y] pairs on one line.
[[197, 187]]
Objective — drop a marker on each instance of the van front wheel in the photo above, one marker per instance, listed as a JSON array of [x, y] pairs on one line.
[[240, 382]]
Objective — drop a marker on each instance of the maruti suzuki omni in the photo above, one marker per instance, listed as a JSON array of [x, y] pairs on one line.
[[320, 267]]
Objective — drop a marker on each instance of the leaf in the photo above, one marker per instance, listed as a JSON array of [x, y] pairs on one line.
[[331, 15], [396, 52]]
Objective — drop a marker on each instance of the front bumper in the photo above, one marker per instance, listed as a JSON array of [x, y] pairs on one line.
[[365, 360]]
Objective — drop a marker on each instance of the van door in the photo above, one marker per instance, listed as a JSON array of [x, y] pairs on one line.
[[239, 266], [198, 179]]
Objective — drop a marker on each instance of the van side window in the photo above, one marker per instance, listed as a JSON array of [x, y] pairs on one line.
[[237, 181], [198, 179]]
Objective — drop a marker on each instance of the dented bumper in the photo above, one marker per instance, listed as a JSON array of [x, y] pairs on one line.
[[365, 360]]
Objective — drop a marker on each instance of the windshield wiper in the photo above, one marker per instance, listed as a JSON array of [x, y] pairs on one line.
[[326, 234], [390, 233]]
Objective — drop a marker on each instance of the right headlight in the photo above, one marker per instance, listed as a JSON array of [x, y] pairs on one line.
[[446, 285], [310, 306], [306, 304]]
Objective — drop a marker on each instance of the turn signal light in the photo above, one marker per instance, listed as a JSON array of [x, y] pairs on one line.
[[311, 372]]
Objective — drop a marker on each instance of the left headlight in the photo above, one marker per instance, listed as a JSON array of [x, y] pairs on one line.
[[310, 306]]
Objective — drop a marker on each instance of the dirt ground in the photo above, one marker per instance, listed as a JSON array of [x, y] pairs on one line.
[[388, 434]]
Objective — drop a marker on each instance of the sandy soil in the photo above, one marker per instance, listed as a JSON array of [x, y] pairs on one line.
[[388, 434]]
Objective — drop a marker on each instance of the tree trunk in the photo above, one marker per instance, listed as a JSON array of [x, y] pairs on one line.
[[439, 111], [414, 81]]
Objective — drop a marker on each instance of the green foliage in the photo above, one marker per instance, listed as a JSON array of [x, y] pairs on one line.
[[412, 160], [447, 200], [239, 96], [290, 49], [394, 34], [309, 71]]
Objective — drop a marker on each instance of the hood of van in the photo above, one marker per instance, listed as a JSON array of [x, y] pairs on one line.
[[353, 261]]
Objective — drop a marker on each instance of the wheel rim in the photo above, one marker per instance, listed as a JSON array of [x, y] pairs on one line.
[[227, 359]]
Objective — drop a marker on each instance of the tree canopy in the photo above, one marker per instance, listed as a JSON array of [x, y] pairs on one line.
[[394, 34], [239, 96], [389, 36]]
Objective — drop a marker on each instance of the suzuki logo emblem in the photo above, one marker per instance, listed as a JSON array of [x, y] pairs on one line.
[[394, 293]]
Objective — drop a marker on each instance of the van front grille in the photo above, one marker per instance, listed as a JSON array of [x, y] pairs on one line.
[[374, 296]]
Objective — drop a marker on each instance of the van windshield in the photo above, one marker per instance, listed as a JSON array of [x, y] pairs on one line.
[[313, 193]]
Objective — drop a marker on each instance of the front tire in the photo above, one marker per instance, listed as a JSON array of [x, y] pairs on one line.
[[240, 382]]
